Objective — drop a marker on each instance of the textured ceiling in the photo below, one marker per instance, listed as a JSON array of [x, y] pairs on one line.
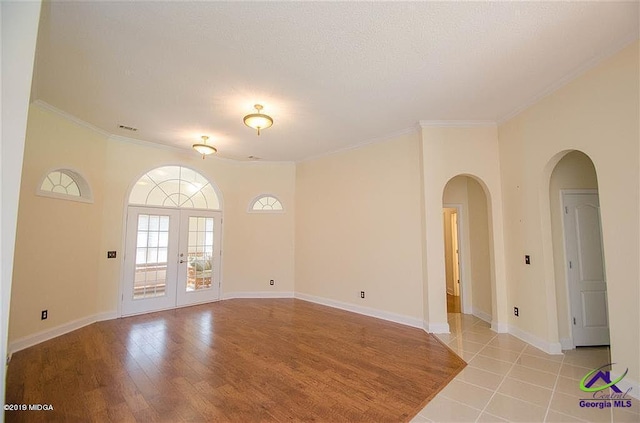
[[332, 75]]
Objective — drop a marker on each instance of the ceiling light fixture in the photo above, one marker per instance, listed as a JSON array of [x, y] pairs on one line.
[[204, 148], [258, 120]]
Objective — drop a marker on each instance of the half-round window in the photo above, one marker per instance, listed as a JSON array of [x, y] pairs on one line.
[[266, 203], [65, 184], [174, 186]]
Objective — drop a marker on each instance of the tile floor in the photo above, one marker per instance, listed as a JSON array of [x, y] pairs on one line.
[[508, 380]]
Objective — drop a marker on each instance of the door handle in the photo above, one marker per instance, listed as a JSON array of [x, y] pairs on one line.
[[182, 261]]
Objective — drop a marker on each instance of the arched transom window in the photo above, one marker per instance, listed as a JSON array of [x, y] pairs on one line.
[[65, 184], [174, 186], [266, 203]]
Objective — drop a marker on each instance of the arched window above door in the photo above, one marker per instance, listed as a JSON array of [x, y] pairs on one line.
[[174, 186]]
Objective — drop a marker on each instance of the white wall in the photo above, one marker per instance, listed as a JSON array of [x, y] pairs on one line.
[[19, 29], [358, 228], [598, 114]]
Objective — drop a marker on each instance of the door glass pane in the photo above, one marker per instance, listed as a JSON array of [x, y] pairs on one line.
[[163, 240], [151, 261], [162, 255], [164, 223], [153, 238], [200, 253], [154, 223]]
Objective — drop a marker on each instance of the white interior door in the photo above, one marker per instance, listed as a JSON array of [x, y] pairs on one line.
[[172, 259], [150, 268], [586, 269], [199, 257]]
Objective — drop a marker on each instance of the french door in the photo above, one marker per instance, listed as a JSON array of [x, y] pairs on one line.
[[172, 258]]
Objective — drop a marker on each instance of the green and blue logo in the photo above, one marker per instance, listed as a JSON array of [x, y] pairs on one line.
[[596, 382], [605, 376]]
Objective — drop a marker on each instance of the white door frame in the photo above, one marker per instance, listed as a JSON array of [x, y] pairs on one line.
[[563, 193], [466, 304]]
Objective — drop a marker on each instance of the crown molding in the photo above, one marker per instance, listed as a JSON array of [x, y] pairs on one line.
[[457, 124], [189, 151], [110, 137], [46, 106]]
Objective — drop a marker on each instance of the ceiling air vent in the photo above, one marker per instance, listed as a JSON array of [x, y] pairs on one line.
[[128, 128]]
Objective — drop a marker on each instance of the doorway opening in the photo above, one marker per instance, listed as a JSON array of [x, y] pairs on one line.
[[467, 247], [172, 243], [579, 263]]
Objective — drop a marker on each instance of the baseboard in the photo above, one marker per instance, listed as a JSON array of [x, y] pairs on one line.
[[481, 314], [367, 311], [436, 327], [548, 347], [45, 335], [567, 344], [257, 294], [499, 327]]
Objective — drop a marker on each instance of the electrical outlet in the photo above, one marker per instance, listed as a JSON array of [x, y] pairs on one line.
[[111, 254], [361, 294], [527, 259], [271, 282], [44, 314], [516, 312]]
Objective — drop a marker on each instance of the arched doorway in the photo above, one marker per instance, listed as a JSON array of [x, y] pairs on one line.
[[468, 246], [173, 241], [579, 265]]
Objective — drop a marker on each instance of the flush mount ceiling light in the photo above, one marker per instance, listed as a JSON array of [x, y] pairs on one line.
[[204, 148], [258, 120]]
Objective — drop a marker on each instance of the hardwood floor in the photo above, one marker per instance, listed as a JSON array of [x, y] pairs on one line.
[[235, 360]]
